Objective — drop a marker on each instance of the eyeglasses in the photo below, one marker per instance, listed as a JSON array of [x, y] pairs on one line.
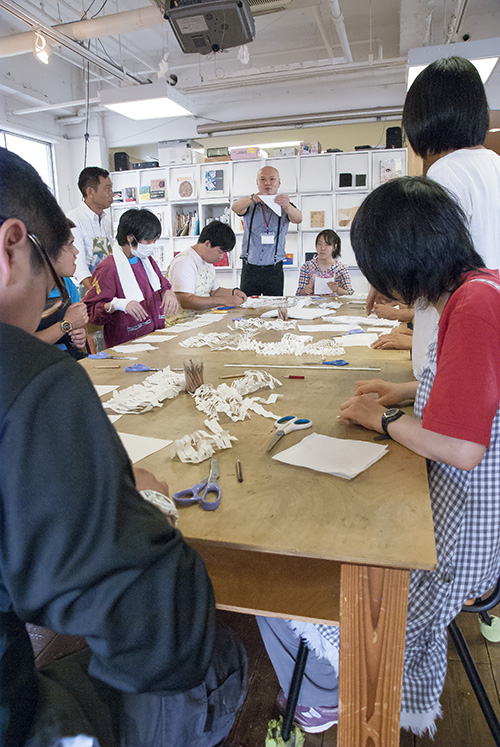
[[51, 304]]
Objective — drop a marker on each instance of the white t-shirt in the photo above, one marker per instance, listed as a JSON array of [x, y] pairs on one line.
[[473, 176], [88, 229], [189, 273]]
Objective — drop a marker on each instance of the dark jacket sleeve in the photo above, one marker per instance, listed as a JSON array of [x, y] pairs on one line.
[[82, 553]]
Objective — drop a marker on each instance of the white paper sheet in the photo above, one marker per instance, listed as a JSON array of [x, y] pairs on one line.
[[103, 389], [153, 339], [270, 201], [326, 327], [296, 313], [321, 287], [139, 447], [356, 341], [114, 418], [134, 347], [336, 456]]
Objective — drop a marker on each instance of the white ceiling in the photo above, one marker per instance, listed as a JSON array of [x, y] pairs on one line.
[[297, 64]]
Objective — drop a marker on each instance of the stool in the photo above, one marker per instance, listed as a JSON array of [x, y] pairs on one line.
[[490, 625]]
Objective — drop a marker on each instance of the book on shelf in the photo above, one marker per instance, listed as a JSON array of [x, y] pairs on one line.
[[185, 186], [144, 194], [161, 218], [187, 224], [129, 194], [157, 187], [317, 219], [288, 258], [214, 180]]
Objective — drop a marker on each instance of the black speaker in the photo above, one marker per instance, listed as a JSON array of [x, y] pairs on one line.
[[122, 161], [393, 137]]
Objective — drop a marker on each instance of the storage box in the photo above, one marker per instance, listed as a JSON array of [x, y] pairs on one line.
[[215, 152], [308, 148], [285, 151], [214, 159], [179, 151], [246, 154]]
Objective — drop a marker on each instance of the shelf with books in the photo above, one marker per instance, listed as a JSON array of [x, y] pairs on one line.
[[185, 219], [210, 211]]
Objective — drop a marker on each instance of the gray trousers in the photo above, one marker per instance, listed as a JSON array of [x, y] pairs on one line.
[[319, 684], [73, 703]]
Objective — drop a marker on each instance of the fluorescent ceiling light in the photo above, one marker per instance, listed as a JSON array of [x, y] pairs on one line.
[[149, 101], [483, 54]]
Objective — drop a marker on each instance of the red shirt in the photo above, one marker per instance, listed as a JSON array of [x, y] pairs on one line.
[[465, 395]]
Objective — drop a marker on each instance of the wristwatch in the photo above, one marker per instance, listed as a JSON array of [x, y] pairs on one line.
[[389, 416], [66, 326]]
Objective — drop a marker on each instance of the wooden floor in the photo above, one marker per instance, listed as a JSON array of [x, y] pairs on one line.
[[463, 724]]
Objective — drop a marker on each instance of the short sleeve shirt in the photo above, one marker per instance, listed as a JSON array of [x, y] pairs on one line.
[[189, 273]]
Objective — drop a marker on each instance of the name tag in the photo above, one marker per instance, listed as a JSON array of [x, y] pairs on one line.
[[267, 238]]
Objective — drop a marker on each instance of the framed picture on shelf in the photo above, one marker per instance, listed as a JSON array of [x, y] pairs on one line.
[[317, 219], [157, 189]]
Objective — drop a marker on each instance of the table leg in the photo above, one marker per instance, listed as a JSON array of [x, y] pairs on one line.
[[373, 603]]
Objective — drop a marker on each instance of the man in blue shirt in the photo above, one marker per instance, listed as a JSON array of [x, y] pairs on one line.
[[264, 237]]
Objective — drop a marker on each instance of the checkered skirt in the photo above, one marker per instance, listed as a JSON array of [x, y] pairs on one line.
[[466, 514]]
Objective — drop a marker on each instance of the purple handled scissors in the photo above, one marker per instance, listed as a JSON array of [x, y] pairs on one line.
[[198, 493]]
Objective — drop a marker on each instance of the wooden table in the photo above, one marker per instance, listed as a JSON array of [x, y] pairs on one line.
[[293, 543]]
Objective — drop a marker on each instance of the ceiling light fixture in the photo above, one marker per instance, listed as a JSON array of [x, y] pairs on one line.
[[41, 48], [288, 144], [483, 54], [149, 101]]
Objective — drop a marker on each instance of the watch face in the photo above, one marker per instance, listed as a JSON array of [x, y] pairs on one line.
[[66, 326], [391, 412]]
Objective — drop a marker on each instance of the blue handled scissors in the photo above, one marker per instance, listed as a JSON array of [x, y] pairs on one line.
[[198, 493], [287, 424], [139, 368], [103, 354]]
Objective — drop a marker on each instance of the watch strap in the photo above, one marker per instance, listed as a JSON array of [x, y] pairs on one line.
[[389, 416]]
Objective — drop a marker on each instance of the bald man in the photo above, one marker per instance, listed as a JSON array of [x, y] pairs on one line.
[[263, 246]]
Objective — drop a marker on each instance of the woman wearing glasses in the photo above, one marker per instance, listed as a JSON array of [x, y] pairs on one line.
[[129, 296], [64, 325]]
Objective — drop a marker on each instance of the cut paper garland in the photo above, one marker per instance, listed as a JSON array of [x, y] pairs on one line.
[[151, 392], [201, 445], [231, 399], [289, 344]]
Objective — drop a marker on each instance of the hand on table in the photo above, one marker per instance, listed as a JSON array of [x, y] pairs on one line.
[[170, 304], [363, 410], [239, 297], [388, 392], [394, 341], [135, 309]]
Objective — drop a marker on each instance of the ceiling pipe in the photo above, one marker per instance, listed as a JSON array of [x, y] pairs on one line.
[[338, 19], [79, 31], [326, 41], [302, 121]]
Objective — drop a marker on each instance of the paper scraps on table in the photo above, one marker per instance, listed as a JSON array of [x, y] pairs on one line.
[[151, 392], [328, 328], [113, 418], [200, 445], [257, 323], [365, 321], [340, 457], [295, 312], [139, 447], [103, 389], [200, 320], [289, 344], [356, 341], [134, 347], [230, 399], [270, 201]]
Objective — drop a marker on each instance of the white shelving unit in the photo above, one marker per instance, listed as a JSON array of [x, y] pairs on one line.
[[328, 189]]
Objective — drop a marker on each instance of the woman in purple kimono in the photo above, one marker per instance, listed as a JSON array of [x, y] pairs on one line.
[[129, 296]]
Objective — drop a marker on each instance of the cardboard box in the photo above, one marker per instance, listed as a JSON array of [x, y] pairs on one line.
[[214, 159], [246, 154], [285, 151], [309, 148]]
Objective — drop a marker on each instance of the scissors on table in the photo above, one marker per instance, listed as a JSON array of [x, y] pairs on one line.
[[198, 493], [104, 354], [139, 368], [287, 424]]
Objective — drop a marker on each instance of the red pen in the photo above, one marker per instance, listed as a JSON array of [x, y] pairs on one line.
[[296, 377]]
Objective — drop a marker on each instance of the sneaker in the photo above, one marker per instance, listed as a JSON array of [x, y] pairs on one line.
[[311, 720]]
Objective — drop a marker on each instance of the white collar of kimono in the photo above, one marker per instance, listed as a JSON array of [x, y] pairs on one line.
[[127, 278]]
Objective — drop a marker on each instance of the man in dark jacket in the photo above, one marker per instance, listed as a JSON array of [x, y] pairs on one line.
[[81, 551]]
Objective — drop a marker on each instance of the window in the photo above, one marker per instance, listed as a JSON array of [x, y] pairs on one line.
[[36, 152]]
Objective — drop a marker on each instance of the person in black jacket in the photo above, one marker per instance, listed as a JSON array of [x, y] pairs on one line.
[[81, 551]]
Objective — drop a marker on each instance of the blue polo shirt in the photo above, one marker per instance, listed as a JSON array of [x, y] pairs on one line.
[[259, 220]]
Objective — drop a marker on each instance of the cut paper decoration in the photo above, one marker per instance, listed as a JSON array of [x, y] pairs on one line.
[[345, 458], [289, 344], [360, 320], [103, 389], [200, 445], [151, 392], [259, 323], [139, 447], [296, 313], [270, 201], [231, 399], [338, 328]]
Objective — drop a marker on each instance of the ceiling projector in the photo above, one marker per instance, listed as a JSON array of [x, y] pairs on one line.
[[206, 26]]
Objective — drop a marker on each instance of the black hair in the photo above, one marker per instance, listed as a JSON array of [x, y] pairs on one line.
[[142, 224], [24, 195], [90, 177], [219, 234], [446, 108], [410, 239], [331, 239]]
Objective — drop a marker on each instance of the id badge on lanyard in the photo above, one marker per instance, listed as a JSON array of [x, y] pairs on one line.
[[267, 238]]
